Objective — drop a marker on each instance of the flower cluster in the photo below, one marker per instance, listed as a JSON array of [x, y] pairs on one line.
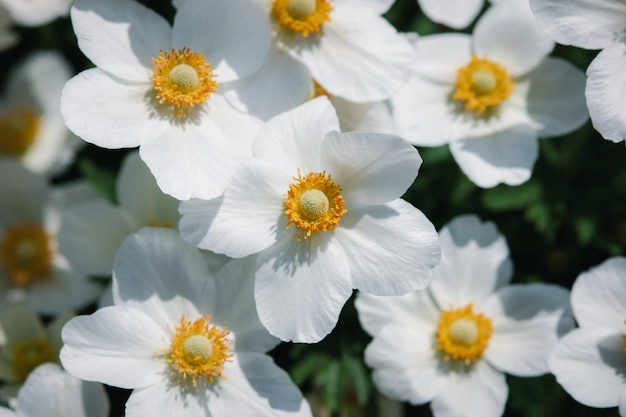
[[213, 207]]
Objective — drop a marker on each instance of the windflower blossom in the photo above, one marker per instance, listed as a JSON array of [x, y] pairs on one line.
[[25, 343], [32, 129], [52, 392], [160, 87], [36, 12], [594, 25], [322, 211], [450, 345], [589, 361], [31, 267], [491, 95], [188, 342]]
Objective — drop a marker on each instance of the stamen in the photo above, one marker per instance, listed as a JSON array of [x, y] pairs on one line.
[[18, 131], [30, 354], [482, 85], [302, 16], [26, 253], [463, 335]]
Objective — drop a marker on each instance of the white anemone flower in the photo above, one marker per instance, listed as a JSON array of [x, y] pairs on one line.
[[589, 362], [31, 266], [36, 12], [322, 211], [160, 87], [451, 344], [52, 392], [188, 342], [32, 129], [25, 343], [594, 25], [491, 95]]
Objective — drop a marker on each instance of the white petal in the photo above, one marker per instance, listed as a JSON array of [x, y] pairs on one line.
[[412, 310], [51, 391], [167, 399], [292, 140], [502, 157], [589, 364], [279, 85], [191, 160], [375, 60], [480, 392], [598, 294], [230, 224], [583, 23], [236, 308], [91, 234], [144, 271], [302, 286], [371, 168], [36, 13], [604, 83], [233, 35], [440, 56], [254, 385], [120, 36], [376, 6], [108, 112], [622, 402], [117, 346], [405, 365], [474, 263], [364, 117], [556, 97], [22, 194], [391, 248], [5, 412], [528, 321], [456, 14], [150, 207], [508, 34]]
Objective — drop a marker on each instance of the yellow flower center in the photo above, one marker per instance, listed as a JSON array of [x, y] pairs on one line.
[[18, 130], [199, 349], [182, 79], [29, 355], [462, 334], [303, 16], [26, 253], [314, 203], [482, 85]]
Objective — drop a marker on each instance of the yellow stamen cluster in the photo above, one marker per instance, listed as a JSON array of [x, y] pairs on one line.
[[18, 131], [463, 335], [199, 349], [302, 16], [26, 253], [482, 85], [30, 354], [314, 203], [182, 78]]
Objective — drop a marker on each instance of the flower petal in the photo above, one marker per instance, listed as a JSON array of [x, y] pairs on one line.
[[302, 286], [391, 248], [583, 23], [556, 97], [167, 399], [254, 385], [598, 294], [604, 83], [528, 321], [405, 365], [371, 168], [120, 36], [506, 156], [107, 112], [230, 224], [441, 56], [233, 35], [375, 60], [456, 14], [115, 345], [508, 34], [589, 364], [474, 263], [480, 392]]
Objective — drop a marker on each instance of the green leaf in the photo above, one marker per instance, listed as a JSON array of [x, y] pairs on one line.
[[102, 179], [332, 390], [505, 198], [360, 378]]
